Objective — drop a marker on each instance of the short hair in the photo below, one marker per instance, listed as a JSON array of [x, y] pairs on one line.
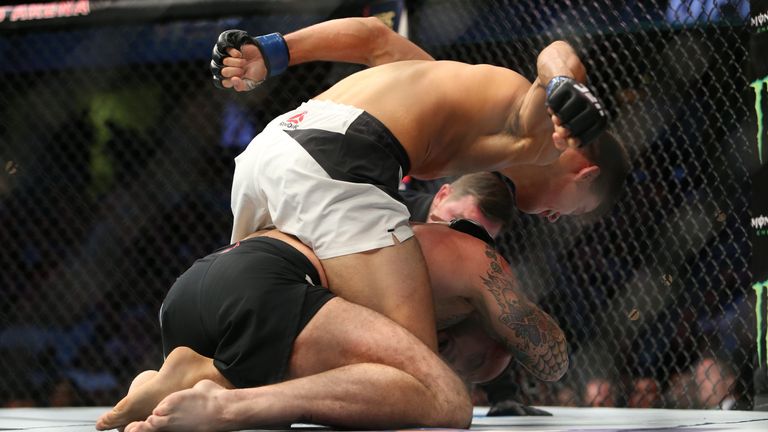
[[493, 196], [608, 153]]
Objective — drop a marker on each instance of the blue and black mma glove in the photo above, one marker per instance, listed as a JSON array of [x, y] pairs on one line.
[[272, 46], [578, 108]]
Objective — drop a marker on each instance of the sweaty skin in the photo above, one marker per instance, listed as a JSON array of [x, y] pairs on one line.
[[443, 131]]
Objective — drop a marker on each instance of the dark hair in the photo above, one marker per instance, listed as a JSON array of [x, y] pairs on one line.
[[609, 154], [493, 196]]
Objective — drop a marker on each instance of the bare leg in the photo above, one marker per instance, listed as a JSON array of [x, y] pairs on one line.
[[392, 281], [181, 370], [353, 368], [373, 396]]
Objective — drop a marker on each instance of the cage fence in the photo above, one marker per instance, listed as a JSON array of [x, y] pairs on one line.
[[118, 156]]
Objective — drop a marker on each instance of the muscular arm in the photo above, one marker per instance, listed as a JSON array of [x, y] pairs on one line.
[[557, 59], [529, 131], [365, 41], [530, 119], [463, 267], [533, 337]]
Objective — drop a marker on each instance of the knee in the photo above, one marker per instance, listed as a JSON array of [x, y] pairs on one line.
[[454, 410], [459, 414]]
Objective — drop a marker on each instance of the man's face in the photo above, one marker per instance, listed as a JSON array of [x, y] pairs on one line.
[[645, 394], [446, 207], [599, 393], [564, 195]]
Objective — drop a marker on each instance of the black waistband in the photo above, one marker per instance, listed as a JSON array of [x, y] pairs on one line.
[[367, 124], [285, 251]]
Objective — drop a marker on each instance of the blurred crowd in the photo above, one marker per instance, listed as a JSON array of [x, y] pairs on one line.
[[708, 384]]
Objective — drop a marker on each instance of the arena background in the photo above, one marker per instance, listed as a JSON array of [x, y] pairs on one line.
[[117, 154]]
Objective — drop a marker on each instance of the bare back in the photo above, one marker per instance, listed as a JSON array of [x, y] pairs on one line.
[[449, 272], [439, 111], [469, 278]]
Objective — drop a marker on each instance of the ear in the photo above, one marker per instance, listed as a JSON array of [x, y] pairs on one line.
[[588, 173], [442, 194]]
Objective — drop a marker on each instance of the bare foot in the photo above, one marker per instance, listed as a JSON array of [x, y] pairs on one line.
[[181, 369], [200, 408]]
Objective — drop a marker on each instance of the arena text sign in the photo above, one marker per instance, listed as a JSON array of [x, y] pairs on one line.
[[41, 11]]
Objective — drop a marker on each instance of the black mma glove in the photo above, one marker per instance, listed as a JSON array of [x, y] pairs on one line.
[[512, 408], [273, 50], [579, 110]]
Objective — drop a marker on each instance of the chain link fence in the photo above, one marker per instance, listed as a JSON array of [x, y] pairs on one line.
[[117, 156]]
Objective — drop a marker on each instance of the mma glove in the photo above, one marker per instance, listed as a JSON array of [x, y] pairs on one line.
[[512, 408], [578, 108], [272, 46]]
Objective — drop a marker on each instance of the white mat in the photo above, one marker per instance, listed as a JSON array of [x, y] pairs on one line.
[[563, 419]]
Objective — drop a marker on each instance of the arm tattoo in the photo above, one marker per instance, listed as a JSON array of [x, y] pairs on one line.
[[533, 337]]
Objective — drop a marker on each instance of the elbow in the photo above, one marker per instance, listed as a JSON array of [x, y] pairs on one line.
[[560, 46], [551, 364], [377, 37], [573, 62], [565, 53], [555, 370], [559, 359], [562, 364]]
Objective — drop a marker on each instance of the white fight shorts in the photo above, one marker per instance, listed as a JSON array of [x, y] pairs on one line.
[[326, 173]]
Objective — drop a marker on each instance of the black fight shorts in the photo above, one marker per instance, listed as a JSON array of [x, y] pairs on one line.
[[243, 306]]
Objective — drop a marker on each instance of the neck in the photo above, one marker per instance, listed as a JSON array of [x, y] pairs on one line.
[[531, 184], [529, 177]]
